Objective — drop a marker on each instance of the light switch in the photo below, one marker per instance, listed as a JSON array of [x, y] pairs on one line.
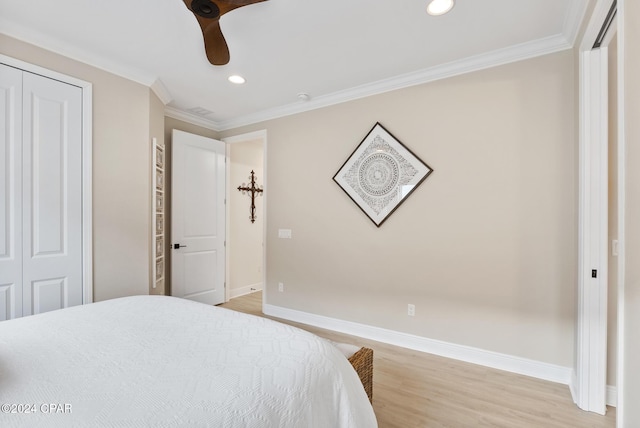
[[284, 233]]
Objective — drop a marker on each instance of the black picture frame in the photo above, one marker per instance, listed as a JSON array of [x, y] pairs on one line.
[[380, 174]]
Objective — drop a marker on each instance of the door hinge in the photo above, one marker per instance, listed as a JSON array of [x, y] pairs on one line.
[[225, 243]]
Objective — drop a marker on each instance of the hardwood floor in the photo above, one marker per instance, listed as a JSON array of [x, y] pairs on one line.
[[415, 389]]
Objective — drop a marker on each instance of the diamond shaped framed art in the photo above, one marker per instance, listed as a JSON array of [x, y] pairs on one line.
[[380, 174]]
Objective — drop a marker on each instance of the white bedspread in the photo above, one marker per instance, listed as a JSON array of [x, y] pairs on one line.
[[153, 361]]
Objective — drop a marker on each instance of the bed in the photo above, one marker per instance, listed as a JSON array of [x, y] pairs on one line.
[[161, 361]]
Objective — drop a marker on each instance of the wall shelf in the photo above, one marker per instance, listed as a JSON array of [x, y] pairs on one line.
[[158, 267]]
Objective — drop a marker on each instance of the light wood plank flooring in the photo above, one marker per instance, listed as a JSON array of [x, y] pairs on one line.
[[415, 389]]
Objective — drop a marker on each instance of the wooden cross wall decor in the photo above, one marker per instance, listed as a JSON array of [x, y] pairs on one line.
[[254, 190]]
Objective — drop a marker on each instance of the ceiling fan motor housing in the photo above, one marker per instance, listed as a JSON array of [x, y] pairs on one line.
[[205, 8]]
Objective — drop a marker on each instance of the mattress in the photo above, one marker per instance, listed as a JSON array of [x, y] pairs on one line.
[[166, 362]]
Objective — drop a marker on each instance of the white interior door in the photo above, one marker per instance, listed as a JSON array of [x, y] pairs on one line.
[[52, 194], [40, 194], [591, 362], [589, 384], [197, 218], [10, 193]]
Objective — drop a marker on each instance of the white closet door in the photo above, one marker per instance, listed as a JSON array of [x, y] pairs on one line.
[[10, 193], [52, 194]]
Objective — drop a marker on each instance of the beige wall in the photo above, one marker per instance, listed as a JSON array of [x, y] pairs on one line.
[[120, 171], [631, 411], [245, 238], [485, 247]]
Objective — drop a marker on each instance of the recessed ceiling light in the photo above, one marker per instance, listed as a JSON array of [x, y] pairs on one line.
[[439, 7], [238, 80]]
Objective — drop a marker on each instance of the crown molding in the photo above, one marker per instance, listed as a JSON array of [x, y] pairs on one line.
[[520, 52], [573, 20], [38, 39], [475, 63], [161, 91], [191, 118]]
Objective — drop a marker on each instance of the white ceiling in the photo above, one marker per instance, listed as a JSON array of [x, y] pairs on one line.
[[334, 50]]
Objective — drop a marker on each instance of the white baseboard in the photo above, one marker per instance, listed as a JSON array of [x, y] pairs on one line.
[[611, 393], [513, 364], [573, 385], [237, 292], [612, 396]]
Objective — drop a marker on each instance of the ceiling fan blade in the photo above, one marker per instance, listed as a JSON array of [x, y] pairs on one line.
[[239, 3], [215, 45], [208, 13]]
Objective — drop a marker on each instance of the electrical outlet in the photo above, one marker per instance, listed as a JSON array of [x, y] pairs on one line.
[[280, 287], [411, 310], [284, 233]]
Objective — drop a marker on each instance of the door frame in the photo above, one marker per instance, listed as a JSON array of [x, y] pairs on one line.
[[241, 138], [589, 384], [87, 164], [622, 159]]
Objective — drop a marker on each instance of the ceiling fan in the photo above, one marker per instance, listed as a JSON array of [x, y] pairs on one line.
[[208, 13]]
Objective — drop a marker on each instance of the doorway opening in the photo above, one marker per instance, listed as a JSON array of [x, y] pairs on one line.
[[246, 214]]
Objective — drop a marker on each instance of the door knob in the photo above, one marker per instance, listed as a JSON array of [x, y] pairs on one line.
[[178, 246]]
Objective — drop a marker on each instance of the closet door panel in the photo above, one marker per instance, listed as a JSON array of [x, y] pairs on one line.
[[52, 189], [10, 193]]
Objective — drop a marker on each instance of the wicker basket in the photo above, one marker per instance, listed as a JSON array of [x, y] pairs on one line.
[[362, 362]]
